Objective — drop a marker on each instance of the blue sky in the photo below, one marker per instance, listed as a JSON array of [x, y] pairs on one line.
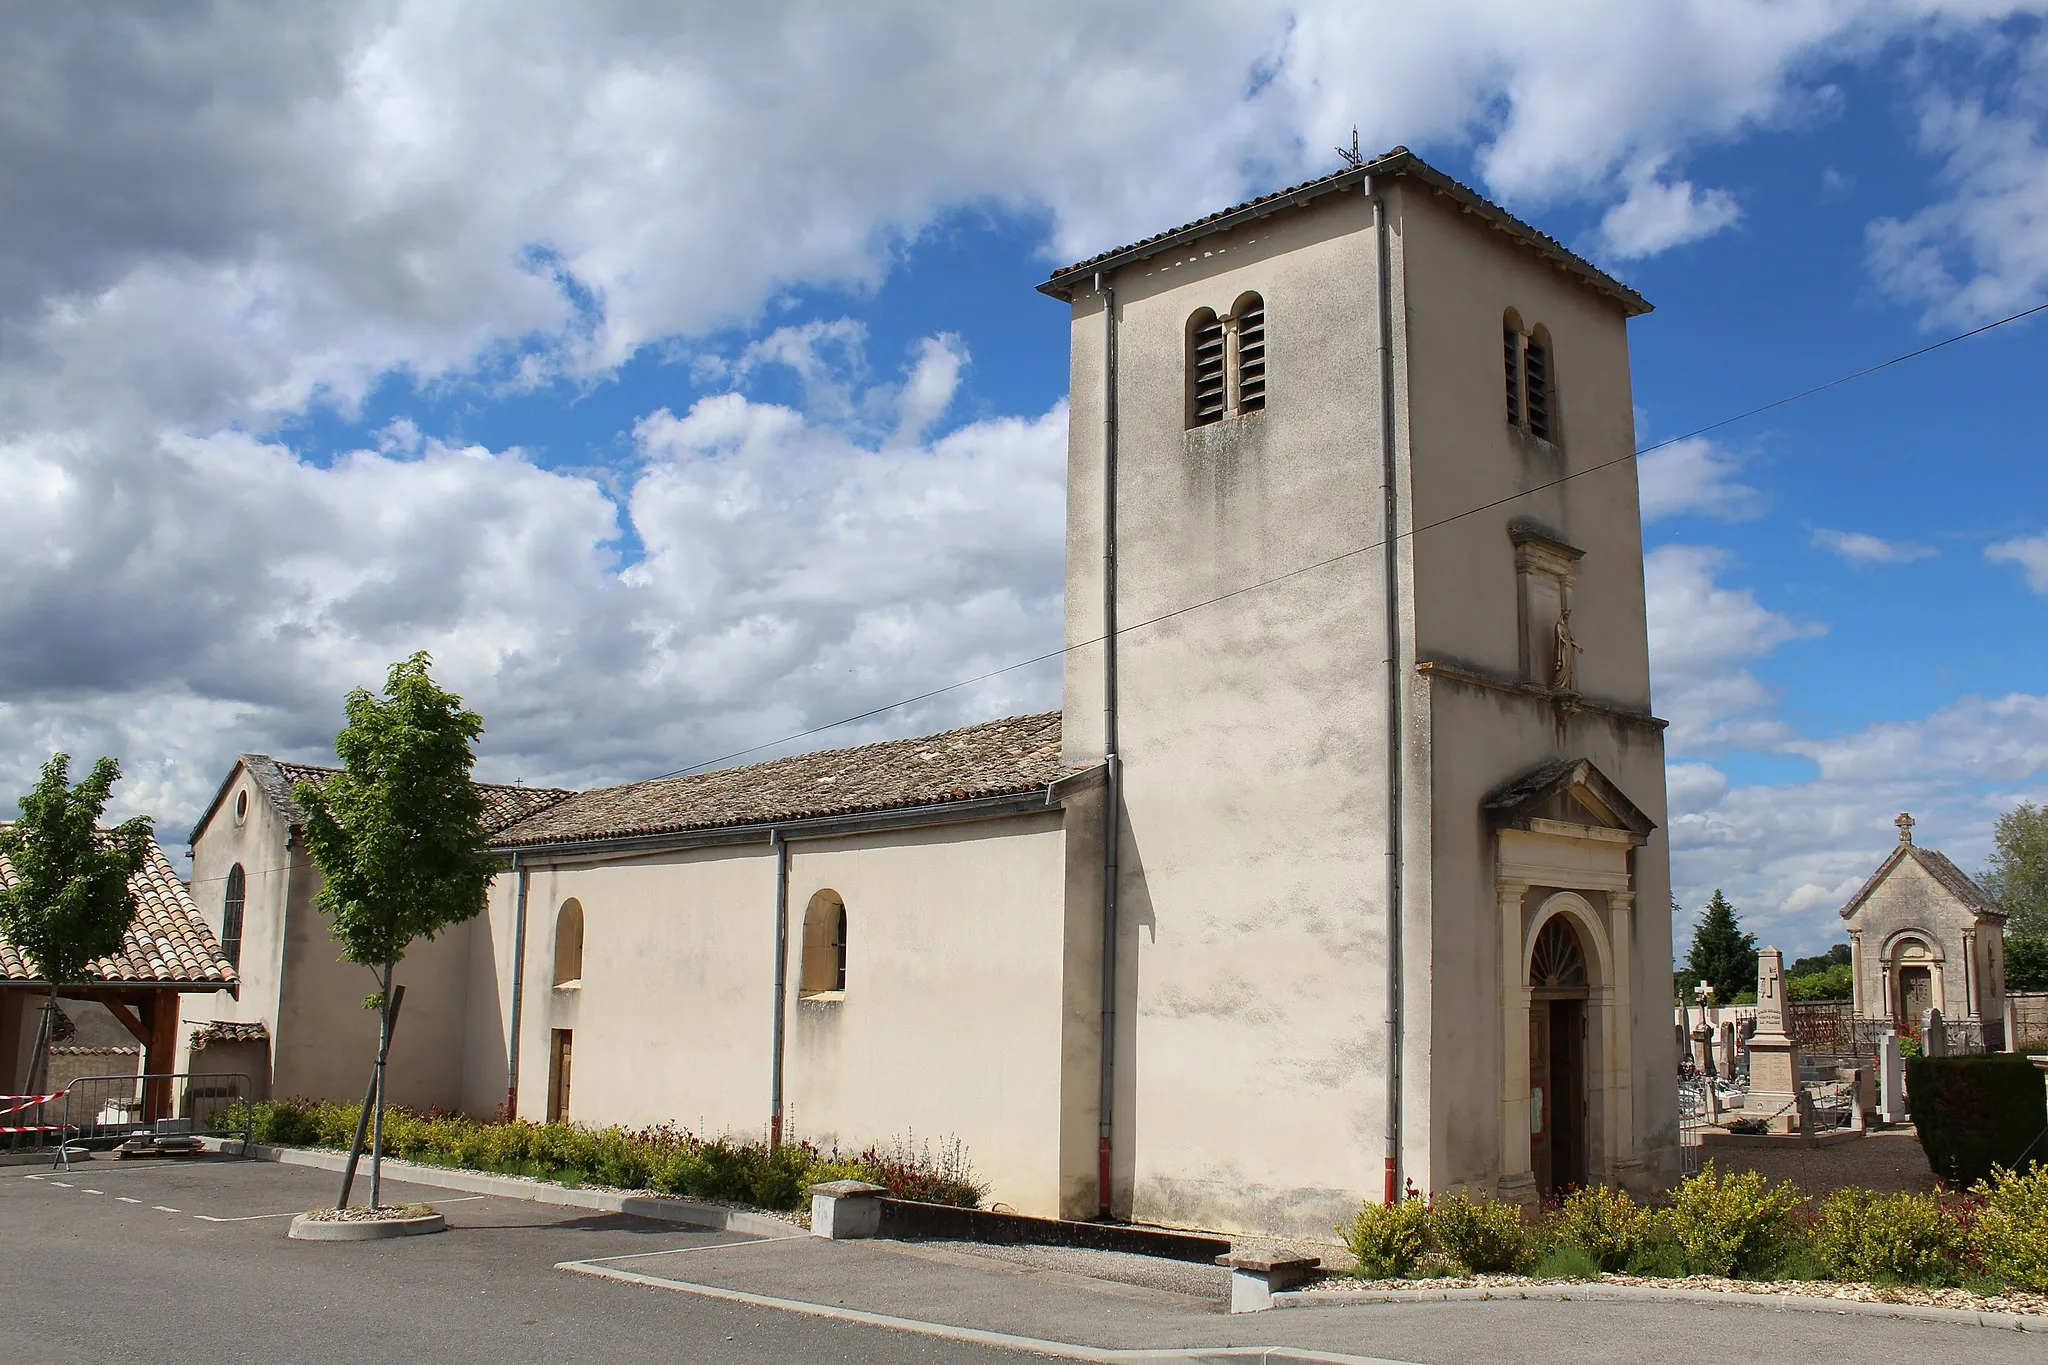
[[678, 408]]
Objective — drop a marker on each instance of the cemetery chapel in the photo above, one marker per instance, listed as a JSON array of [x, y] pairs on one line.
[[1342, 866]]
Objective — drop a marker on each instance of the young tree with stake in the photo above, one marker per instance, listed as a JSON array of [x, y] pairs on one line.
[[398, 835], [70, 901]]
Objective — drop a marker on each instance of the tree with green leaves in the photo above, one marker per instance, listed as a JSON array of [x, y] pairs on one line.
[[2018, 880], [2018, 875], [70, 901], [398, 835], [1722, 955]]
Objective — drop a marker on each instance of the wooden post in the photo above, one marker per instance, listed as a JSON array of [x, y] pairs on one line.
[[160, 1054]]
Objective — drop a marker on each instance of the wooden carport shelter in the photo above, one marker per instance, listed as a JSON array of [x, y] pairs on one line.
[[169, 951]]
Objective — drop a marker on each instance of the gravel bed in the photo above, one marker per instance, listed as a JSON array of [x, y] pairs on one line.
[[2013, 1301], [363, 1213]]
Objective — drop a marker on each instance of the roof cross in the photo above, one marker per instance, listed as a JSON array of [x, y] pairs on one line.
[[1905, 824]]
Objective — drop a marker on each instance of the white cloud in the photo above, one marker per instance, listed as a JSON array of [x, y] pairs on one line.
[[1658, 215], [1695, 476], [1860, 548], [1702, 636], [1982, 252], [2029, 553]]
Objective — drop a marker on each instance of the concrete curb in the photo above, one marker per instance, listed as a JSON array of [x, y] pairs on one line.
[[1303, 1298], [306, 1228], [658, 1207]]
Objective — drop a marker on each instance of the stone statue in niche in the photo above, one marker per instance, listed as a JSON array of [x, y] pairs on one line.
[[1564, 674]]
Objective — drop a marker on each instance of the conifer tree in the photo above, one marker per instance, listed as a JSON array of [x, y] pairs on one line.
[[1722, 955]]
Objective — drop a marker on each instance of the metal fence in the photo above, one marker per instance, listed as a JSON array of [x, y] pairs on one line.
[[103, 1111], [1692, 1122]]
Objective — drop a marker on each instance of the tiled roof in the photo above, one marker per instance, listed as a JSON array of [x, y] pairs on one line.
[[169, 944], [996, 758], [503, 805], [1399, 161], [224, 1031], [1936, 864]]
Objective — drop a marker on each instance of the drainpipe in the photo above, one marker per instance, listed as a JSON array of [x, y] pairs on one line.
[[780, 847], [1112, 797], [518, 988], [1389, 512]]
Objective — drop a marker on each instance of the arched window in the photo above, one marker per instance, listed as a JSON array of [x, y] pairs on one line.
[[1205, 369], [1530, 373], [231, 916], [1559, 960], [569, 943], [1248, 353], [1536, 382], [824, 961]]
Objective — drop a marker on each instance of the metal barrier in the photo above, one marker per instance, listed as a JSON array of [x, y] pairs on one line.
[[1692, 1122], [108, 1110]]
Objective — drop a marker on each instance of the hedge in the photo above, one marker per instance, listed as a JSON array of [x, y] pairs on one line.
[[1977, 1112]]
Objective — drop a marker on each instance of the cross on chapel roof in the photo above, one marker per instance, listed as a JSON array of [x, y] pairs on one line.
[[1905, 824]]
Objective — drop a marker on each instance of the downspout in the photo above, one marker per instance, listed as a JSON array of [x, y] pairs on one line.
[[1112, 797], [780, 847], [518, 988], [1389, 513]]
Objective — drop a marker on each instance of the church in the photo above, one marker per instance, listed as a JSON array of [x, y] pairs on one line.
[[1341, 868]]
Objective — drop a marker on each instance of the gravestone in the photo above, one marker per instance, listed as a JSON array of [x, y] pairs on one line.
[[1933, 1035], [1891, 1080], [1773, 1057]]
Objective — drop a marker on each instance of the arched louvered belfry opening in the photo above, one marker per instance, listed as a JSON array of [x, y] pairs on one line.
[[823, 969], [1207, 386], [1248, 354], [233, 905]]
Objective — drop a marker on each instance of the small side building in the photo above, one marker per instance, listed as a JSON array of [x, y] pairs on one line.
[[1923, 936]]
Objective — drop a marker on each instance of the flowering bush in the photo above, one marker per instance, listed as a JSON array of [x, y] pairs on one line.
[[665, 1159], [1387, 1239], [1482, 1235], [1733, 1224], [1865, 1236], [2011, 1232], [1605, 1225]]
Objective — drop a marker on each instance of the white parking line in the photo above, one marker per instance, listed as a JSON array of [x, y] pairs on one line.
[[62, 1184], [161, 1208], [677, 1251], [92, 1191], [124, 1199]]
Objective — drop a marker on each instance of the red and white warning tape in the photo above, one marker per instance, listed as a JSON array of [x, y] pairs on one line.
[[22, 1102]]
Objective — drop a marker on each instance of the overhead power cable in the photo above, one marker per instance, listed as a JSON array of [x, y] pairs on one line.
[[1865, 372]]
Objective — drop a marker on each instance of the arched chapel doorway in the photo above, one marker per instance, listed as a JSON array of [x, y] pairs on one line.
[[1559, 989]]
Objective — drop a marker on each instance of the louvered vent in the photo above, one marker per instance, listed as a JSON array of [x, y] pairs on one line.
[[1536, 387], [1206, 359], [1251, 356], [1510, 347]]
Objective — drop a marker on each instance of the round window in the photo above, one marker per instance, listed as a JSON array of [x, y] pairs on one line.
[[241, 807]]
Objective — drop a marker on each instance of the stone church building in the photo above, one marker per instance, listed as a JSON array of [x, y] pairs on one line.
[[1923, 936], [1340, 867]]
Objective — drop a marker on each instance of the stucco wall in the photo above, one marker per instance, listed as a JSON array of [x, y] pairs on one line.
[[258, 842], [952, 1020], [1251, 1047]]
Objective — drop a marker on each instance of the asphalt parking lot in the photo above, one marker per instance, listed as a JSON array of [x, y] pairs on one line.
[[118, 1261]]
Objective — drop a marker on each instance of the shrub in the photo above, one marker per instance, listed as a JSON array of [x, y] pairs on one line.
[[1975, 1113], [1733, 1224], [1866, 1236], [2011, 1232], [1604, 1225], [1565, 1263], [1659, 1256], [1482, 1235], [910, 1169], [1387, 1239]]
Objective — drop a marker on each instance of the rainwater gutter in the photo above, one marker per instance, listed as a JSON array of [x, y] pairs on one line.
[[780, 845], [518, 988], [1112, 799], [1389, 526]]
